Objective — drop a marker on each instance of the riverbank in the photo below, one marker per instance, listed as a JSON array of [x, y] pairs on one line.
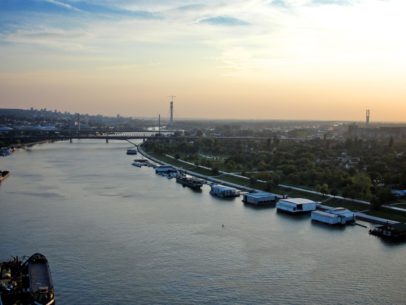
[[360, 207]]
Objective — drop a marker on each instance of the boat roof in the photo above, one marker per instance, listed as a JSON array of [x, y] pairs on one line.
[[298, 200], [223, 187], [394, 226], [326, 214], [261, 195], [340, 211]]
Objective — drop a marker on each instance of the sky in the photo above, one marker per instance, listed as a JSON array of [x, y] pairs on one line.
[[253, 59]]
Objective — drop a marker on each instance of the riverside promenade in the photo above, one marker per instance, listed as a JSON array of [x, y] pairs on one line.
[[358, 215]]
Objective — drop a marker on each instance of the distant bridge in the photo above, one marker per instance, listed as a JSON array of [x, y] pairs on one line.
[[34, 137]]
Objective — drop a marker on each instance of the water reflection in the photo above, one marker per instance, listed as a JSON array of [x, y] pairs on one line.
[[116, 234]]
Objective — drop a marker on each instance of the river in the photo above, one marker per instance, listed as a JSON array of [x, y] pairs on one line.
[[117, 234]]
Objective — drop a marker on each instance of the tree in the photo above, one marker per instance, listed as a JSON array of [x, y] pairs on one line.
[[324, 189], [253, 181], [215, 171], [382, 196]]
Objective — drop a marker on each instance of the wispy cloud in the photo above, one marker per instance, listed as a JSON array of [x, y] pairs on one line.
[[223, 20], [63, 4], [336, 2]]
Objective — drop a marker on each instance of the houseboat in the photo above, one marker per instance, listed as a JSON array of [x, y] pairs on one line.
[[223, 191], [336, 216], [395, 231], [132, 151], [4, 175], [166, 170], [189, 181], [296, 205], [260, 198]]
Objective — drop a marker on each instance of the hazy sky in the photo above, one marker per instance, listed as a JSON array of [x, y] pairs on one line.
[[280, 59]]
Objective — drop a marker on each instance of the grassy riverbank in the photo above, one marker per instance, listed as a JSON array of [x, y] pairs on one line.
[[246, 182]]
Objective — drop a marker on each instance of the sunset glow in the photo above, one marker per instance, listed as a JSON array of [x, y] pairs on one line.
[[281, 59]]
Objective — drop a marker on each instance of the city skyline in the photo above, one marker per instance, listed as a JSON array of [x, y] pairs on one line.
[[292, 59]]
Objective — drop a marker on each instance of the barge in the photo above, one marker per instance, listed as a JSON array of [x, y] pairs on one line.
[[296, 205], [192, 182], [394, 231], [26, 283]]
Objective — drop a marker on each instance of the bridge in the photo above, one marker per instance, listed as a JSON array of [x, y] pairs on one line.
[[27, 138]]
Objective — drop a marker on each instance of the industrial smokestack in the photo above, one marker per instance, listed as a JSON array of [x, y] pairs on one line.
[[368, 112]]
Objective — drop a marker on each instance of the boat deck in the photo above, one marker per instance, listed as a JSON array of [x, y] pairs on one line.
[[39, 277]]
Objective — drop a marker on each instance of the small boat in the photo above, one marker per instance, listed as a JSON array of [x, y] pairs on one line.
[[296, 205], [37, 281], [140, 162], [185, 180], [4, 175], [394, 231], [26, 282], [223, 191], [132, 151]]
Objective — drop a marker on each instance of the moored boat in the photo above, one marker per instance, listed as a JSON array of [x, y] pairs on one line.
[[26, 283], [4, 175], [141, 162], [6, 151], [296, 205], [395, 231], [260, 198], [223, 191], [192, 182], [336, 216], [132, 151], [166, 170], [37, 281]]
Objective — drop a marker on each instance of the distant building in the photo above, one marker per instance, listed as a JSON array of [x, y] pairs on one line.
[[377, 132]]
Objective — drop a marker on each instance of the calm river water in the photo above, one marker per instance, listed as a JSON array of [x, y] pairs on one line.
[[117, 234]]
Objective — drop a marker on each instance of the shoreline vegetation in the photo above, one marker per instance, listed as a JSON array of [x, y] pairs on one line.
[[246, 183]]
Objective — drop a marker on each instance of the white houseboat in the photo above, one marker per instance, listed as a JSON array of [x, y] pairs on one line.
[[334, 216], [296, 205], [260, 198], [223, 191]]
